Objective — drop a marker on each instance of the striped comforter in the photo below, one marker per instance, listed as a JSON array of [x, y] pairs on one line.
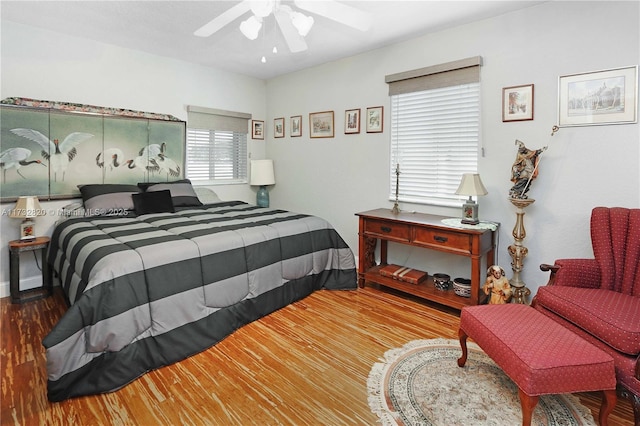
[[151, 290]]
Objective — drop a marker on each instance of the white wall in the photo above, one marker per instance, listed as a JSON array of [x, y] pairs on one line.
[[47, 65], [335, 178], [583, 167]]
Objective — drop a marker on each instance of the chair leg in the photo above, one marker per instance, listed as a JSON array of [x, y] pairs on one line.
[[528, 403], [608, 404], [463, 344]]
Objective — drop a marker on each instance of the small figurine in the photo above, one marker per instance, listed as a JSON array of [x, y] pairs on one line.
[[524, 170], [497, 285]]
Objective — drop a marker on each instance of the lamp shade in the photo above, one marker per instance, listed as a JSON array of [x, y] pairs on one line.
[[262, 173], [251, 27], [471, 184], [27, 207]]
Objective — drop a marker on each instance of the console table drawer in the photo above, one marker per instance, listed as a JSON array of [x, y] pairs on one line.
[[387, 230], [444, 239]]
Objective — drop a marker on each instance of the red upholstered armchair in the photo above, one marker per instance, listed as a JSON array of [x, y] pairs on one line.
[[599, 298]]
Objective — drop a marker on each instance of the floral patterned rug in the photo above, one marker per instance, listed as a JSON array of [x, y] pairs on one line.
[[421, 384]]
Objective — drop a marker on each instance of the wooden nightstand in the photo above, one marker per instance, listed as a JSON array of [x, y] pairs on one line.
[[15, 248]]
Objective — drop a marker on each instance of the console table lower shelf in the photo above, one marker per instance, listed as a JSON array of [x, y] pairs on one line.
[[424, 290]]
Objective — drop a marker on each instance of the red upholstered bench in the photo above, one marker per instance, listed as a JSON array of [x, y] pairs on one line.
[[538, 354]]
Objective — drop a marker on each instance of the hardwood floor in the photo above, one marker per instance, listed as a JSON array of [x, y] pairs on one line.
[[306, 364]]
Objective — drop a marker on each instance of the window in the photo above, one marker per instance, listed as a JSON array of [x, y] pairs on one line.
[[435, 128], [216, 146]]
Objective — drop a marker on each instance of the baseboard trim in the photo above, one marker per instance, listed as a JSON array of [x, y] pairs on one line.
[[25, 284]]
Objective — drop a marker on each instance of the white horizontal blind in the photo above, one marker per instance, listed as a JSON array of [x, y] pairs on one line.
[[435, 139], [214, 155]]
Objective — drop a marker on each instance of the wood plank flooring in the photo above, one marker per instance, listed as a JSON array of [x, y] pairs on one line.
[[306, 364]]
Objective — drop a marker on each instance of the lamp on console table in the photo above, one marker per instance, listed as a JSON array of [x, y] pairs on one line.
[[27, 208], [262, 175], [471, 185]]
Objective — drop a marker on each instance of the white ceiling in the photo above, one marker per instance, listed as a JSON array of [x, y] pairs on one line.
[[166, 28]]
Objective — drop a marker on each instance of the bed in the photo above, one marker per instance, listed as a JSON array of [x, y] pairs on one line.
[[148, 289]]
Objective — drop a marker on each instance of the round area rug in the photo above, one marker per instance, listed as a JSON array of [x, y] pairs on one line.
[[421, 384]]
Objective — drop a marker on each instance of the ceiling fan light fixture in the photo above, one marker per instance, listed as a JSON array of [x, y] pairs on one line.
[[251, 27], [302, 23], [262, 8]]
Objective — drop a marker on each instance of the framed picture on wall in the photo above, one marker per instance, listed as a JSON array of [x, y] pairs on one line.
[[374, 119], [352, 121], [257, 129], [296, 126], [278, 127], [321, 124], [517, 103], [598, 97]]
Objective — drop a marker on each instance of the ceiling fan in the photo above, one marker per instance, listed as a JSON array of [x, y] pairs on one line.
[[293, 24]]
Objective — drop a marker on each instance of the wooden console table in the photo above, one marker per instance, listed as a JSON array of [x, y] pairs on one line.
[[426, 231]]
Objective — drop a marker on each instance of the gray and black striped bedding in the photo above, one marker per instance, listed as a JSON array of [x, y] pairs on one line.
[[151, 290]]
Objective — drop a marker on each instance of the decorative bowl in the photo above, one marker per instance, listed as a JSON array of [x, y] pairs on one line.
[[441, 281], [462, 287]]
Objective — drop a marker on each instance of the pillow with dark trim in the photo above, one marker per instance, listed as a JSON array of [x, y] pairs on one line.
[[153, 202], [182, 192], [108, 199]]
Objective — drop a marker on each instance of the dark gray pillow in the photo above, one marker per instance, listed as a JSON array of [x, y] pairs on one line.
[[153, 202], [182, 192], [108, 199]]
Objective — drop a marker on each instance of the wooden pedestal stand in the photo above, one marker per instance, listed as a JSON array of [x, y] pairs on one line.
[[518, 252]]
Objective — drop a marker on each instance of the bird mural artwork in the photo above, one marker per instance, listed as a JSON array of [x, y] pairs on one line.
[[114, 156], [152, 158], [14, 158], [59, 154]]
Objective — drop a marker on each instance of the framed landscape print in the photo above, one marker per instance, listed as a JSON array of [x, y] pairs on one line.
[[374, 119], [352, 121], [517, 103], [278, 128], [257, 129], [599, 97], [296, 126], [321, 124]]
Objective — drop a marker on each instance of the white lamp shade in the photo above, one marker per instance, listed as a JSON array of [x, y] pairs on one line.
[[262, 172], [302, 23], [251, 27], [27, 207], [471, 184]]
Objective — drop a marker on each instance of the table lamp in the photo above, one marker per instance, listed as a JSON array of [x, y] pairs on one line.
[[262, 175], [27, 208], [471, 185]]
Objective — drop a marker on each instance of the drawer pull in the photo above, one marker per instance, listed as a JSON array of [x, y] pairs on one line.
[[440, 239], [385, 229]]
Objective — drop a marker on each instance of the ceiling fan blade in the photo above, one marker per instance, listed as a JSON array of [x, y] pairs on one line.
[[294, 40], [223, 19], [338, 12]]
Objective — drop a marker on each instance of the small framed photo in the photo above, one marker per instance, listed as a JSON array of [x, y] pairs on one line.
[[598, 97], [352, 121], [278, 127], [374, 119], [517, 103], [321, 124], [296, 126], [257, 129]]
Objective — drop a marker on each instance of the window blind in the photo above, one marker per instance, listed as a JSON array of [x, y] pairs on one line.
[[216, 145], [434, 134]]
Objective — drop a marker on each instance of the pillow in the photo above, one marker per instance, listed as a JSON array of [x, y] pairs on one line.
[[206, 195], [153, 202], [73, 209], [182, 192], [108, 199]]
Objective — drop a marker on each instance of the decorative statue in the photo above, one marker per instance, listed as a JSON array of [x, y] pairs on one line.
[[524, 170], [497, 285]]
